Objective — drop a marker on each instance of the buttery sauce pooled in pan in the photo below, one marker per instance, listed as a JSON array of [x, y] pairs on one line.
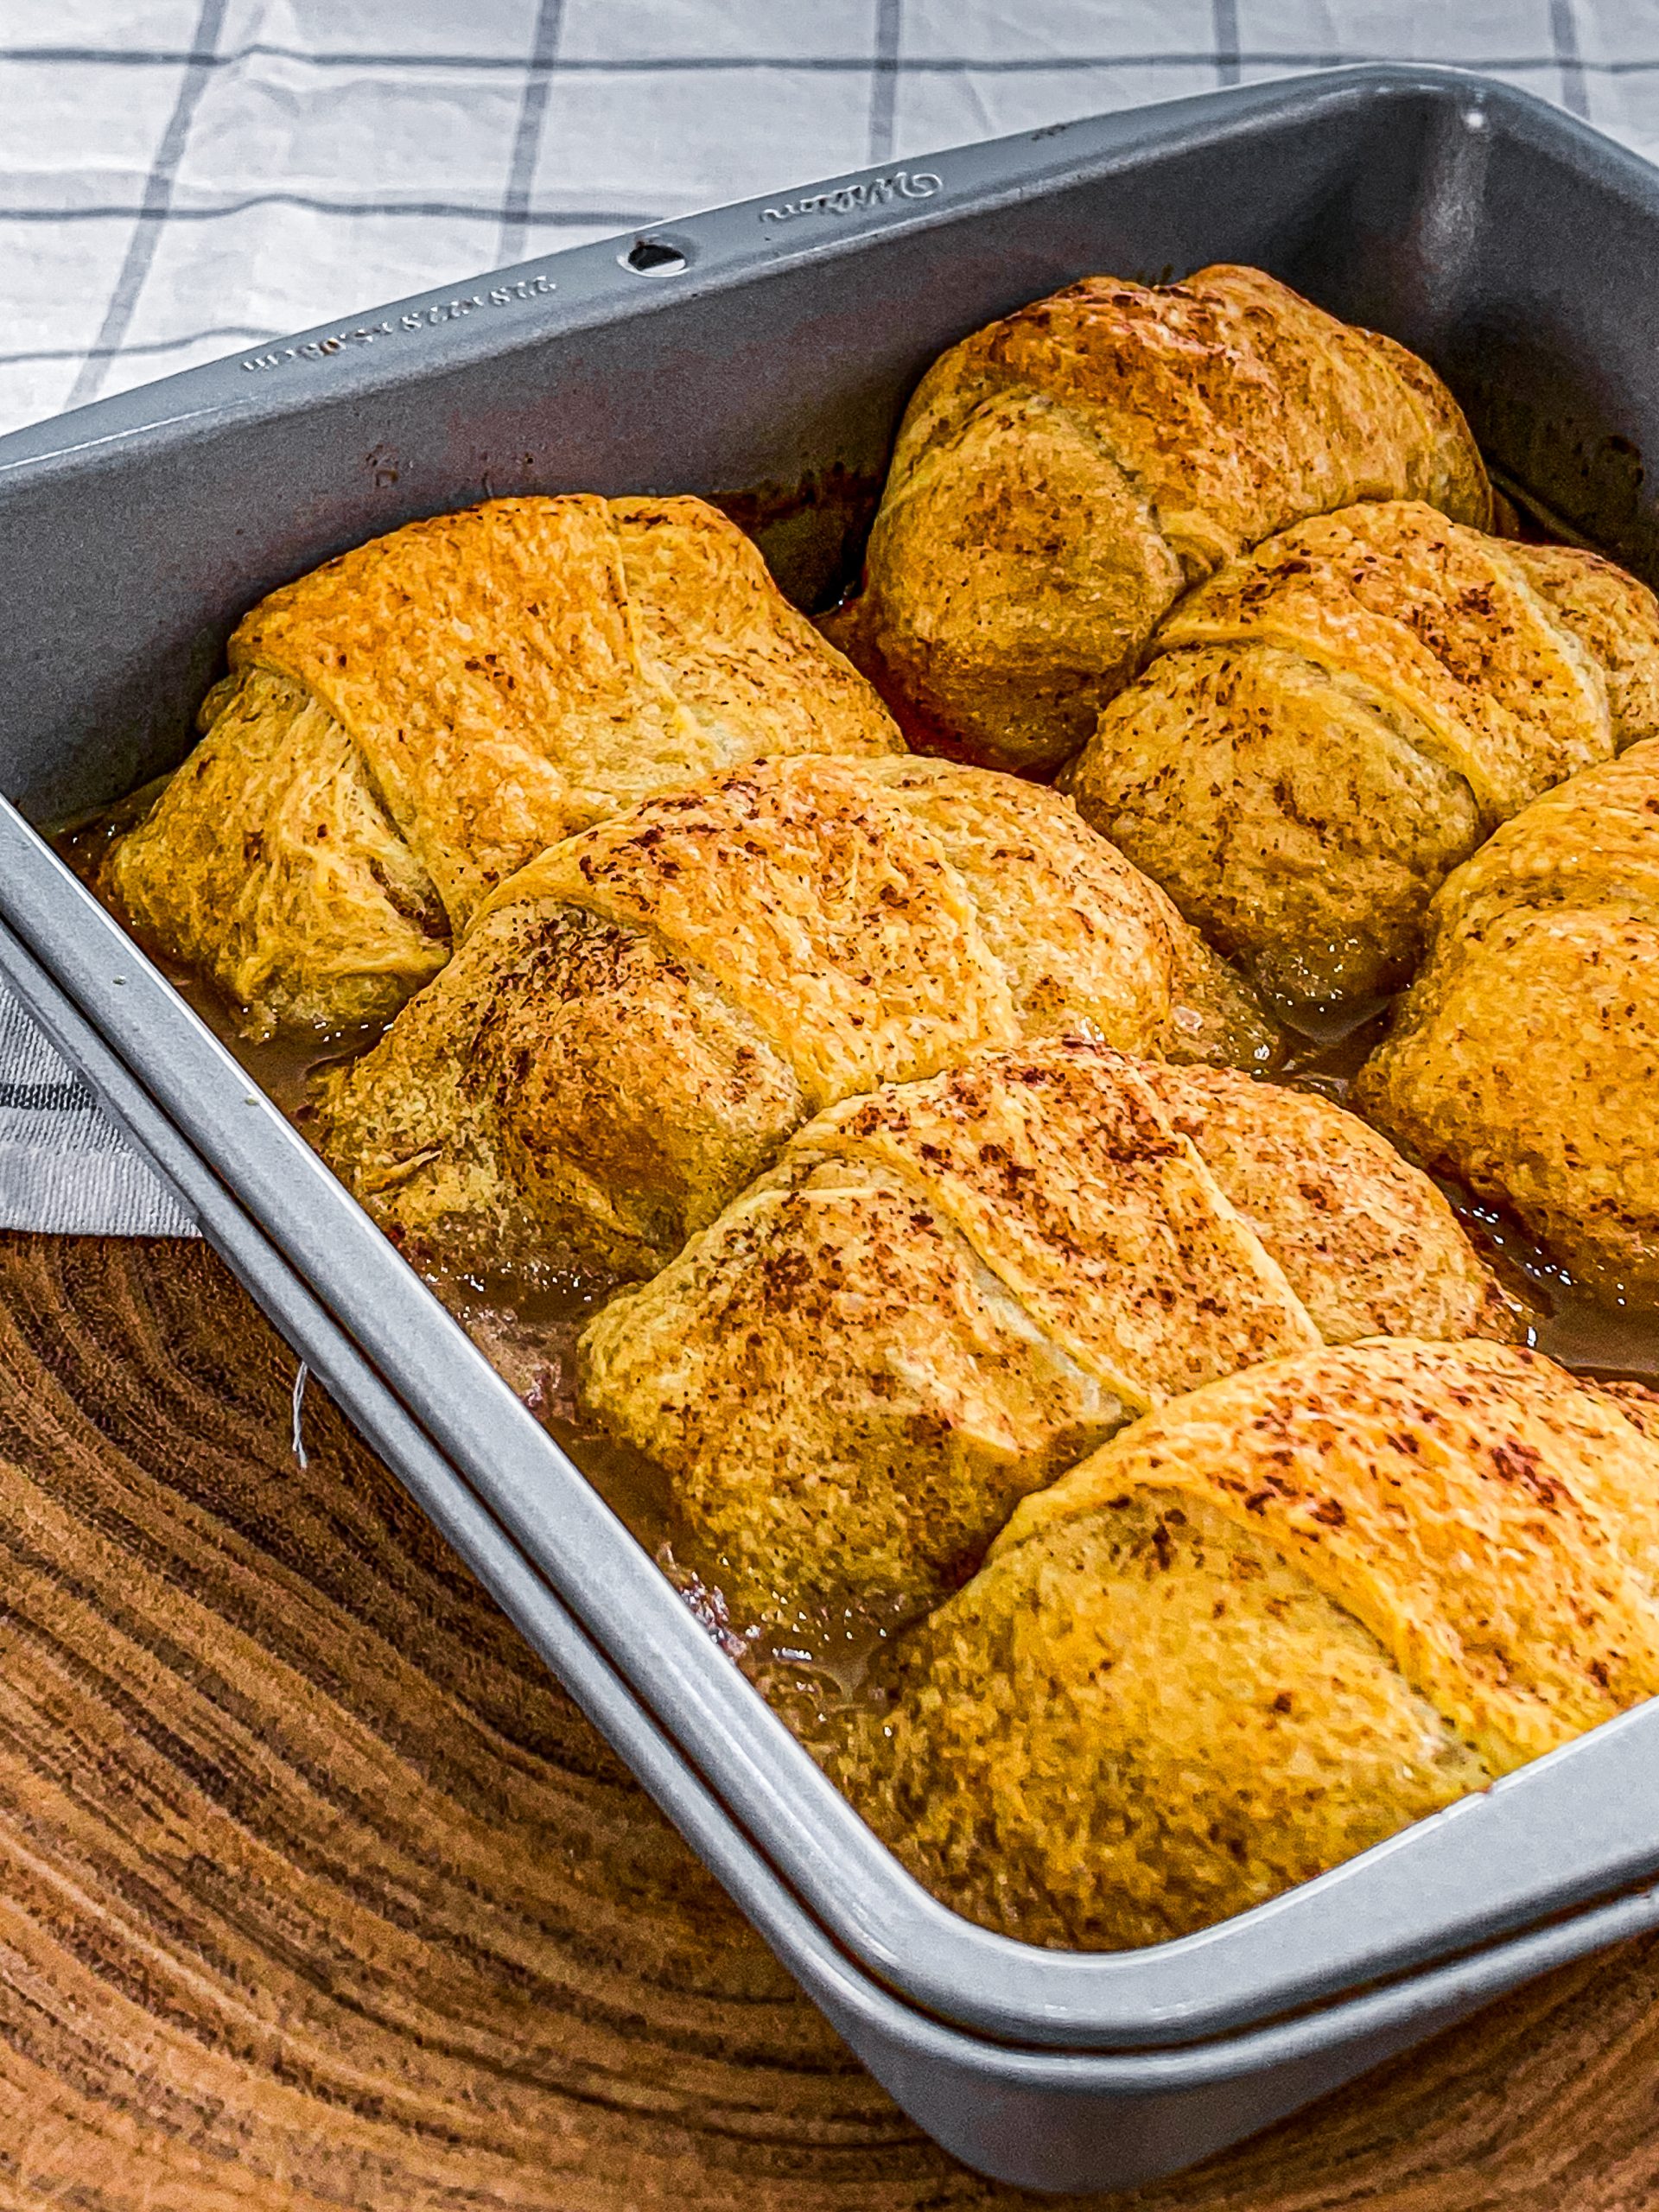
[[529, 1335], [814, 1669]]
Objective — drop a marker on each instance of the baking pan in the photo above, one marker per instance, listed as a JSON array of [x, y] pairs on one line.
[[763, 353]]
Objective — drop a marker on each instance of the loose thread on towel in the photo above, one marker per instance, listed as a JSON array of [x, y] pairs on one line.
[[300, 1375]]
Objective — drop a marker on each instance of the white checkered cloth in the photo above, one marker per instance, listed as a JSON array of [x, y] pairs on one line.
[[179, 178]]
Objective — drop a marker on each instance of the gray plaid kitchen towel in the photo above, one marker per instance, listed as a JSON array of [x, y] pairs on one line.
[[179, 178]]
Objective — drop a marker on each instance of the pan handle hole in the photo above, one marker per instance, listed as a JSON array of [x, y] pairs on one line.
[[653, 257]]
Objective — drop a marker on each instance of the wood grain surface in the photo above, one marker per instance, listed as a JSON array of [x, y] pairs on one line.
[[316, 1892]]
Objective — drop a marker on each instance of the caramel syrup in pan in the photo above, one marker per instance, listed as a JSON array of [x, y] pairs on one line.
[[809, 1669], [816, 1667]]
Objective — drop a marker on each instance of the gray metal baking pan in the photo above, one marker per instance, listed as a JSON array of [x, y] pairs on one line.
[[764, 351]]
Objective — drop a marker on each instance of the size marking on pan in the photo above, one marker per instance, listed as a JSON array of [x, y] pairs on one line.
[[854, 199], [426, 318]]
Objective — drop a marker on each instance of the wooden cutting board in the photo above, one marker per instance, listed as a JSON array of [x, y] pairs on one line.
[[316, 1892]]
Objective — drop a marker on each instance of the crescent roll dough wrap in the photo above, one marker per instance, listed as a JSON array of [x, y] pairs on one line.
[[409, 724], [1525, 1058], [638, 1019], [945, 1292], [1064, 475], [1332, 723], [1265, 1627]]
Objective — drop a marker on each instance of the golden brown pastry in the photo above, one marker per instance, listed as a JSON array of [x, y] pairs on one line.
[[1336, 721], [1063, 475], [944, 1293], [405, 727], [638, 1019], [1264, 1628], [1525, 1058]]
